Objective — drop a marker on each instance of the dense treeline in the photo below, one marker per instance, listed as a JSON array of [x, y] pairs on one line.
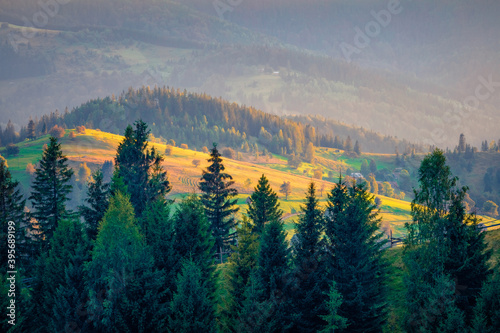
[[137, 263], [198, 120]]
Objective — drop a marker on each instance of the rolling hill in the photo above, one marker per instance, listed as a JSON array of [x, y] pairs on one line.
[[94, 147]]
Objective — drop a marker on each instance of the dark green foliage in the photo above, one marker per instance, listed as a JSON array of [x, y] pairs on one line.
[[97, 201], [140, 168], [264, 205], [273, 259], [50, 192], [430, 295], [273, 276], [125, 291], [309, 226], [193, 239], [443, 241], [58, 286], [192, 309], [354, 259], [308, 296], [11, 209], [12, 149], [466, 254], [334, 321], [430, 204], [487, 310], [241, 264], [258, 314], [158, 229], [216, 185]]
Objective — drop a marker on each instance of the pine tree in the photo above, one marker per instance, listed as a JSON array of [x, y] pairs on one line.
[[264, 205], [486, 311], [140, 168], [192, 309], [334, 321], [354, 259], [273, 275], [50, 192], [11, 209], [357, 148], [193, 239], [258, 314], [241, 264], [97, 201], [125, 291], [59, 285], [348, 144], [466, 254], [430, 294], [31, 134], [217, 193], [309, 297]]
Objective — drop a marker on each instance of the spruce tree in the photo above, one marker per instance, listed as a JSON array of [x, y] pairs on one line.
[[257, 314], [11, 209], [309, 297], [334, 321], [217, 194], [125, 291], [58, 290], [487, 310], [264, 205], [192, 238], [430, 294], [31, 134], [97, 201], [273, 275], [140, 168], [354, 259], [192, 309], [241, 264], [50, 192]]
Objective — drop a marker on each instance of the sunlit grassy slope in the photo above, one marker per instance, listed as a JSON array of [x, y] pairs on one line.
[[94, 147]]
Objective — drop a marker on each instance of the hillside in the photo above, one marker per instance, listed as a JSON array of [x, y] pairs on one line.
[[74, 58], [94, 147]]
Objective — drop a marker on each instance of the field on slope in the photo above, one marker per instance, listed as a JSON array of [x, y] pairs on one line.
[[95, 147]]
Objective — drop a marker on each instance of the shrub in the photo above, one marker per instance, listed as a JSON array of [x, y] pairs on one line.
[[30, 168], [184, 146], [196, 163], [81, 129], [205, 149], [72, 135], [229, 153], [12, 149], [57, 132]]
